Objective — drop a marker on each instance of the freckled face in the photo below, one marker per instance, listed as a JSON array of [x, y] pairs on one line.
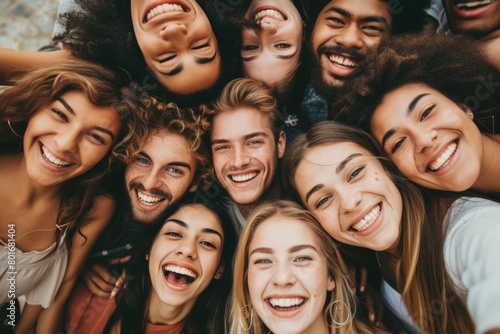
[[288, 278], [429, 138], [354, 199], [67, 138]]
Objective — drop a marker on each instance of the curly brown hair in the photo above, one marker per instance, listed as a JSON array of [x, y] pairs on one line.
[[453, 65], [34, 90], [189, 123]]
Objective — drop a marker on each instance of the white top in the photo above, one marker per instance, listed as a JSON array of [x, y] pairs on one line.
[[472, 258], [38, 274]]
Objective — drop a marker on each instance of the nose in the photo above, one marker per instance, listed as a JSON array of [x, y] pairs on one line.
[[350, 37], [424, 140], [350, 200], [268, 26], [173, 31], [67, 141], [152, 179], [239, 158], [187, 248], [283, 275]]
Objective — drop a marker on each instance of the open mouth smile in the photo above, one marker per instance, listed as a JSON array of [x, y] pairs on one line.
[[444, 158], [367, 221], [149, 200], [178, 275], [342, 61], [51, 159], [286, 304], [244, 177], [164, 8], [268, 12], [464, 5]]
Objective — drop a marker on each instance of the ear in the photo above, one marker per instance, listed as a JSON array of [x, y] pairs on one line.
[[194, 187], [467, 110], [331, 284], [218, 273], [281, 144]]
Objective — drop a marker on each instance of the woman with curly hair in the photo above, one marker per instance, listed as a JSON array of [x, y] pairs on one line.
[[437, 252], [62, 128], [294, 284], [419, 97]]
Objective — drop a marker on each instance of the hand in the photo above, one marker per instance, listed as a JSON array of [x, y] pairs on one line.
[[100, 281]]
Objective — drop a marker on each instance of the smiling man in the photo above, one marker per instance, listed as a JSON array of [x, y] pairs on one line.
[[247, 140]]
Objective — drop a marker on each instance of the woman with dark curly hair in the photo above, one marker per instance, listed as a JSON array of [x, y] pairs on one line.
[[62, 128], [419, 96]]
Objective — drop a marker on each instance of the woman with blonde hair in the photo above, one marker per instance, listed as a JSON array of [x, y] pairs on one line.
[[297, 284]]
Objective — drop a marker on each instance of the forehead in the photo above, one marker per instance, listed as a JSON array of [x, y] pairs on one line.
[[236, 124], [163, 144], [196, 217], [331, 154], [360, 8], [270, 233]]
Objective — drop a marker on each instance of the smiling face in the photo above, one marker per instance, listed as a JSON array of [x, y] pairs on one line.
[[185, 256], [160, 175], [178, 44], [342, 35], [354, 199], [288, 278], [480, 18], [67, 138], [245, 157], [429, 138], [272, 53]]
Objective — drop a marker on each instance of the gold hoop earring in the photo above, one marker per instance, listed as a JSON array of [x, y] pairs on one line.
[[12, 129], [246, 315], [338, 310]]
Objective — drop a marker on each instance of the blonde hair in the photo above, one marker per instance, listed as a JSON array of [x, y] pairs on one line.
[[335, 266], [244, 92]]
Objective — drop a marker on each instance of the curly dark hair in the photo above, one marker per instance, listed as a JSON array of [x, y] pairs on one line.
[[103, 32], [453, 65]]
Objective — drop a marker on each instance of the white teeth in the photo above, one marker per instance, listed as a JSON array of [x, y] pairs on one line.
[[149, 200], [180, 270], [369, 219], [52, 159], [243, 178], [286, 302], [342, 60], [467, 5], [443, 159], [268, 13], [164, 9]]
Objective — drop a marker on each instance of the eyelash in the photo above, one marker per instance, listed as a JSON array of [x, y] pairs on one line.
[[356, 172], [60, 114], [427, 112]]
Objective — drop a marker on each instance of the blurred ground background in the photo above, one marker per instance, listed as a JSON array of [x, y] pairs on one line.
[[27, 24]]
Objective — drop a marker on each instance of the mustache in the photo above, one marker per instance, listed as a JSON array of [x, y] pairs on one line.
[[154, 191], [352, 52]]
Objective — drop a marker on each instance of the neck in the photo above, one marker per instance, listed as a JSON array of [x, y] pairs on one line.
[[490, 165], [159, 313], [272, 193]]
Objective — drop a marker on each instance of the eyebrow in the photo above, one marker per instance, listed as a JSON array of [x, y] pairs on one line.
[[173, 163], [186, 226], [339, 168], [199, 60], [293, 249], [72, 112], [246, 137], [297, 248], [411, 108], [371, 18]]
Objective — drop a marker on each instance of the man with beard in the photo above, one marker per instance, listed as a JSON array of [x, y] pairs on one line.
[[341, 32], [247, 140], [171, 161]]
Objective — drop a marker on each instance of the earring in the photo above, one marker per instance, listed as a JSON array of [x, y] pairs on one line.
[[339, 310], [147, 257], [246, 315], [12, 129], [470, 114]]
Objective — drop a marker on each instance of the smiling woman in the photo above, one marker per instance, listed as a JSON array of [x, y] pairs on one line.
[[61, 128], [181, 276]]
